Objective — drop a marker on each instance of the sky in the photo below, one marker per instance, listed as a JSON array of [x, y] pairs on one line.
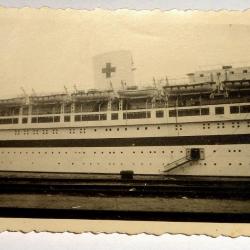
[[47, 49]]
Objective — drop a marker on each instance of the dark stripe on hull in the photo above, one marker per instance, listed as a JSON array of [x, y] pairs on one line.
[[127, 142]]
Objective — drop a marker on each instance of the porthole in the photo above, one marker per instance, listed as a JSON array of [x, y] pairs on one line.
[[214, 164], [126, 129], [146, 128], [230, 164], [158, 127], [117, 129], [95, 129], [214, 151], [240, 163], [138, 128]]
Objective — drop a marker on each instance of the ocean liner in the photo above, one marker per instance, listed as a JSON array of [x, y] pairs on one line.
[[197, 128]]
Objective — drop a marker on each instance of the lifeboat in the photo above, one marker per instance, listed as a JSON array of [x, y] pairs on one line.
[[49, 99], [18, 101], [187, 89], [92, 94], [237, 85], [135, 92]]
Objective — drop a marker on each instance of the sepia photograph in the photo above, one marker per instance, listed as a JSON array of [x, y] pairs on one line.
[[125, 115]]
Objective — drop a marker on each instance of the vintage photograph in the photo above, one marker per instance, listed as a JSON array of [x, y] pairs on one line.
[[125, 115]]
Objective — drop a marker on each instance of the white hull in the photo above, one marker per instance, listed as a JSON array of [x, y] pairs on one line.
[[220, 160]]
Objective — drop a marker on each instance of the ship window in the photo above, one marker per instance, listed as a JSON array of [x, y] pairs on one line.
[[136, 115], [6, 121], [245, 71], [201, 75], [218, 74], [95, 117], [232, 72], [234, 109], [114, 116], [245, 109], [56, 118], [77, 118], [188, 112], [159, 113], [34, 120], [172, 113], [67, 118], [205, 111], [219, 110], [45, 119], [25, 120], [15, 120], [25, 111]]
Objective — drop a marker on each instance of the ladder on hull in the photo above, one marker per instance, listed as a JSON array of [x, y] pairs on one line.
[[192, 155]]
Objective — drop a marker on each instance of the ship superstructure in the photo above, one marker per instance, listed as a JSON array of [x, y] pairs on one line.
[[199, 128]]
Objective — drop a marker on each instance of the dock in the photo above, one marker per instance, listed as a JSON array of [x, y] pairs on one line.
[[139, 197]]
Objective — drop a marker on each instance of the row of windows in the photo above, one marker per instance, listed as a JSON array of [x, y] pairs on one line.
[[45, 119], [9, 121], [189, 112], [133, 163], [244, 71], [112, 152], [130, 115], [84, 130], [95, 117], [102, 152], [240, 109]]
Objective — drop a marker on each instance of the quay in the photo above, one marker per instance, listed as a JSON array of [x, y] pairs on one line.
[[143, 197]]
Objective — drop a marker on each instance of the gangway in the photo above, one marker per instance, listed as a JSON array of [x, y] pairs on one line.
[[192, 155]]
